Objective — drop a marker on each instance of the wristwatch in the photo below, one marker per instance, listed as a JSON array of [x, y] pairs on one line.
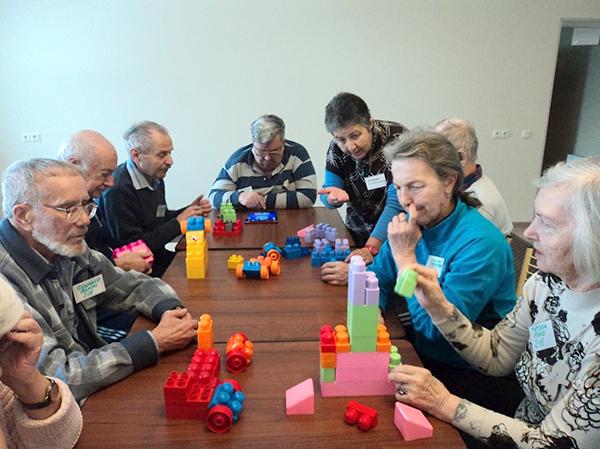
[[372, 249], [52, 394]]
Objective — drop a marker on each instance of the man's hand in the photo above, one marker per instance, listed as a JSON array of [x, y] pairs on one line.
[[252, 200], [335, 196], [134, 261], [175, 330], [203, 204], [335, 273], [190, 211]]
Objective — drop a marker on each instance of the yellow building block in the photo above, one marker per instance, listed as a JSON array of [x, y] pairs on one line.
[[233, 261]]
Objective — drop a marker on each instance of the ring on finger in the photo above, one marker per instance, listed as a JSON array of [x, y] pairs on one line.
[[400, 389]]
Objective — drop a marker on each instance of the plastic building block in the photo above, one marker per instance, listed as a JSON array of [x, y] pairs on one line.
[[233, 261], [227, 212], [327, 374], [196, 255], [411, 422], [225, 407], [300, 399], [384, 344], [406, 283], [395, 357], [302, 232], [327, 338], [360, 366], [342, 339], [293, 249], [271, 251], [328, 359], [363, 388], [205, 332], [139, 246], [239, 352], [229, 228], [364, 417], [261, 267]]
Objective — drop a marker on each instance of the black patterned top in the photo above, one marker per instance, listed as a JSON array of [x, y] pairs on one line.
[[559, 374], [365, 206]]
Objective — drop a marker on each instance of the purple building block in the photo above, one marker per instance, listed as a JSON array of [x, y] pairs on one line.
[[357, 279], [372, 289]]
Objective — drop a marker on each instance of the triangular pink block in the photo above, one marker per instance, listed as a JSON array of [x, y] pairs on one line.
[[300, 399], [411, 422]]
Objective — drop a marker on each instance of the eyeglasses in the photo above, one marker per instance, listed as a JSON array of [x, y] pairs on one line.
[[263, 154], [74, 212]]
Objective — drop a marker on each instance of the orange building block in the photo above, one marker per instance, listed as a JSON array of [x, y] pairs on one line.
[[384, 343], [342, 339], [205, 332], [328, 360]]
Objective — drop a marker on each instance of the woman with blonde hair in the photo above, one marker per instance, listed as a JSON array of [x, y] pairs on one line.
[[36, 411]]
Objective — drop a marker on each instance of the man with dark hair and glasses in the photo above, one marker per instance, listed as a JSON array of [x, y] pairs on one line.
[[43, 254], [269, 173]]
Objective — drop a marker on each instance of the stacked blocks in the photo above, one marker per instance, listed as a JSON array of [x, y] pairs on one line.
[[322, 252], [395, 358], [225, 407], [227, 212], [239, 352], [139, 246], [411, 422], [227, 225], [233, 261], [356, 362], [320, 231], [196, 258], [205, 332], [293, 249], [300, 399], [406, 283], [364, 417]]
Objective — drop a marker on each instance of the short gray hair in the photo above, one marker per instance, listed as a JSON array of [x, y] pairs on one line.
[[266, 128], [346, 109], [582, 178], [78, 147], [436, 151], [139, 135], [461, 134], [20, 181], [10, 305]]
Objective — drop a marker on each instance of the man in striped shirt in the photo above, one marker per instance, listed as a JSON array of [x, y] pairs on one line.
[[269, 173]]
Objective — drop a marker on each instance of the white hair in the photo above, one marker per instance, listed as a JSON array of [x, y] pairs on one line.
[[266, 128], [10, 305], [582, 178], [139, 135], [461, 134]]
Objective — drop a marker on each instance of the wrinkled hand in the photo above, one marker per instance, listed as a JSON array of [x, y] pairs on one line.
[[335, 196], [362, 252], [417, 387], [134, 261], [403, 235], [252, 200], [20, 349], [203, 204], [429, 292], [175, 330], [190, 211], [335, 273]]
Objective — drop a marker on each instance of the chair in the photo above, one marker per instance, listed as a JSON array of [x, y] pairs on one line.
[[528, 269]]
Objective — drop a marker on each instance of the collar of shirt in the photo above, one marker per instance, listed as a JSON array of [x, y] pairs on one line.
[[30, 261], [138, 179]]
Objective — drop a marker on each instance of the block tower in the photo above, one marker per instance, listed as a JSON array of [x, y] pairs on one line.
[[355, 360], [196, 257]]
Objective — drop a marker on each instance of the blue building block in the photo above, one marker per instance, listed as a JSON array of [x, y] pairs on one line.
[[226, 395], [268, 247], [252, 269], [293, 249], [195, 224]]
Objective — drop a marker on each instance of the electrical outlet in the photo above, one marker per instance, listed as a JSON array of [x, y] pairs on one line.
[[526, 134], [36, 136], [496, 134], [25, 137], [504, 134]]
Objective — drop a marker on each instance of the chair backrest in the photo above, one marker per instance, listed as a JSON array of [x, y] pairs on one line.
[[528, 269]]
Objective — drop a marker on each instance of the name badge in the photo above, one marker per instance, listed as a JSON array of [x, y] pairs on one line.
[[435, 262], [541, 336], [89, 288], [161, 210], [376, 181], [245, 189]]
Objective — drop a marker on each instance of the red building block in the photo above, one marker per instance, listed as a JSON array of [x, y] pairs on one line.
[[327, 338], [227, 229], [364, 417]]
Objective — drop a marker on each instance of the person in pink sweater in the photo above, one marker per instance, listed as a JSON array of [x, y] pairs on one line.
[[36, 411]]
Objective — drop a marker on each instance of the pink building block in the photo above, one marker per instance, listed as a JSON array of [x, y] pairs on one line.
[[300, 399], [411, 422], [302, 231], [139, 246], [351, 389], [358, 366]]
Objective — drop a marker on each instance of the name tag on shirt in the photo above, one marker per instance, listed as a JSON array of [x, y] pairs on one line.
[[161, 210], [435, 262], [89, 288], [541, 336], [245, 189], [376, 181]]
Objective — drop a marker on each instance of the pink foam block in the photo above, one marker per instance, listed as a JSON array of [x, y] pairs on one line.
[[379, 388], [361, 366], [300, 399], [411, 422]]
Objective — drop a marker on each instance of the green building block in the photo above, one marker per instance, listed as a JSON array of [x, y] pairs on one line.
[[406, 283], [327, 374]]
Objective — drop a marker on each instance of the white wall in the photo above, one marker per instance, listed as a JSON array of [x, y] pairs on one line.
[[205, 69]]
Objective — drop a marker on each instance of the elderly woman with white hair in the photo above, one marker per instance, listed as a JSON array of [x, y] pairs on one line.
[[551, 338], [36, 411]]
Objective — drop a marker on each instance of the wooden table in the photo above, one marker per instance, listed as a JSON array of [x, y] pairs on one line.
[[130, 414], [289, 222], [288, 307]]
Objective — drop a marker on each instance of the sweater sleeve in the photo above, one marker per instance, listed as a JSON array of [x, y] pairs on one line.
[[60, 431], [224, 188], [392, 208], [121, 212]]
